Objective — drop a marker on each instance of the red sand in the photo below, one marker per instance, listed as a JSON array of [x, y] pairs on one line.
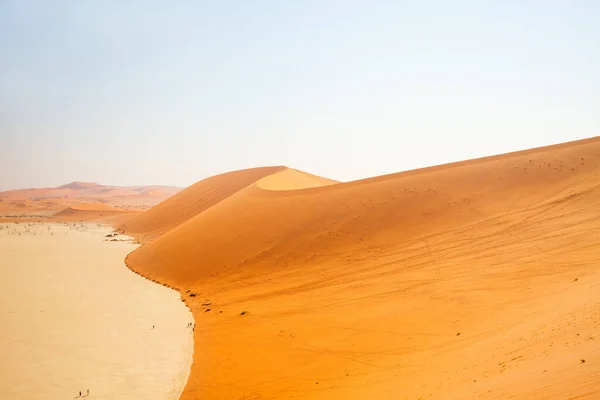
[[476, 279]]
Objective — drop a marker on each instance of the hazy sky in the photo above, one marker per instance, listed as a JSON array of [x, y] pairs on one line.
[[170, 92]]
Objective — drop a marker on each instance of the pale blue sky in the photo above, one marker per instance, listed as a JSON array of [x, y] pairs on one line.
[[170, 92]]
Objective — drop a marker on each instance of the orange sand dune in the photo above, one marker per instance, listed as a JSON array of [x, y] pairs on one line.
[[193, 200], [56, 199], [476, 279]]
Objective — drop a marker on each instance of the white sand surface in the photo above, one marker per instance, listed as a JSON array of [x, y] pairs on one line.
[[74, 317]]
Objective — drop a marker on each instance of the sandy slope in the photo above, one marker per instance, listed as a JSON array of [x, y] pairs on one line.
[[73, 317], [470, 280], [193, 200]]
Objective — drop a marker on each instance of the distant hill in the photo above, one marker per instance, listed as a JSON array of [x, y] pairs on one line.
[[64, 196]]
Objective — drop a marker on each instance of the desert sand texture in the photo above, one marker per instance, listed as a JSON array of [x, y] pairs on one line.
[[73, 317], [476, 279]]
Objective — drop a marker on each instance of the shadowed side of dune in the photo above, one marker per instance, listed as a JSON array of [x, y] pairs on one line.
[[391, 286], [192, 201]]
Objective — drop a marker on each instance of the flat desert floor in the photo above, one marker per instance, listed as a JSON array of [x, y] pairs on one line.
[[73, 317]]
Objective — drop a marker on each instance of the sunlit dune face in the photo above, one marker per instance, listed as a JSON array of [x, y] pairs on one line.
[[470, 280]]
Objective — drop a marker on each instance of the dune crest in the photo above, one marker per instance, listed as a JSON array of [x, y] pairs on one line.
[[292, 179], [192, 201], [434, 283]]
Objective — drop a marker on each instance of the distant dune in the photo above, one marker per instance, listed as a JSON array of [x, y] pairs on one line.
[[92, 207], [154, 193], [89, 211], [55, 199], [79, 185], [475, 279]]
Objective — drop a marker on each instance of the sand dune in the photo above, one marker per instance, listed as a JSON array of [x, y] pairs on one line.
[[269, 225], [78, 185], [193, 200], [469, 280], [61, 197], [154, 193], [92, 207]]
